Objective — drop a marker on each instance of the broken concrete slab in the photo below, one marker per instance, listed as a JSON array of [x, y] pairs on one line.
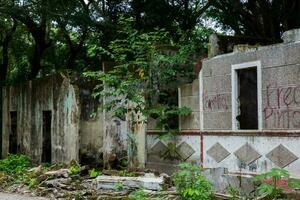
[[148, 182], [61, 173], [216, 177], [62, 183], [222, 180]]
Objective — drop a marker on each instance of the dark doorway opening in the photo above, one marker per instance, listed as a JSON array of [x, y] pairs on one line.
[[247, 95], [47, 146], [13, 134]]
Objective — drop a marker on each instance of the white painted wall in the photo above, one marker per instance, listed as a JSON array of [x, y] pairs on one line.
[[261, 144], [194, 141]]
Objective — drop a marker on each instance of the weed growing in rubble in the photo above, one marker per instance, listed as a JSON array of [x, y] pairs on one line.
[[32, 183], [138, 195], [94, 173], [233, 192], [14, 164], [126, 173], [191, 184], [119, 186], [78, 196], [271, 189], [74, 168]]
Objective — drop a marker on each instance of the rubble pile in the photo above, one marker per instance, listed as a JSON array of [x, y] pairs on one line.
[[64, 184]]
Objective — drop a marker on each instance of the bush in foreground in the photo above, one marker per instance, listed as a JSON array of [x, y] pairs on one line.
[[191, 184]]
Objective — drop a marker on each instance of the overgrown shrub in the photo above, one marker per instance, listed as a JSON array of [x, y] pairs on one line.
[[14, 164], [191, 184]]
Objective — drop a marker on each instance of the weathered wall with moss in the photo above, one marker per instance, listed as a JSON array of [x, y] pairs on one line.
[[91, 126], [29, 100]]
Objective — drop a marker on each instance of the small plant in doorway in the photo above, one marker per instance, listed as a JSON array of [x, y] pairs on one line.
[[191, 184]]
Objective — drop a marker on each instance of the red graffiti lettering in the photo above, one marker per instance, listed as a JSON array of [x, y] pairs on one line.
[[282, 107]]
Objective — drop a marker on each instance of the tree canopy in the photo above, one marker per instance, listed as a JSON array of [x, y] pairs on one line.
[[39, 37]]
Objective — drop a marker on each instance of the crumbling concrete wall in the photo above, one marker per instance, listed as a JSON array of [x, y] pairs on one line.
[[91, 126], [115, 136], [164, 154], [29, 100], [91, 139]]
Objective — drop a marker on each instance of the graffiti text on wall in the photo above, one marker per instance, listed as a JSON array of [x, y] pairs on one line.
[[282, 107], [215, 102]]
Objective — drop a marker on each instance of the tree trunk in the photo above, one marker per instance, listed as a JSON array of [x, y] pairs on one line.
[[40, 46]]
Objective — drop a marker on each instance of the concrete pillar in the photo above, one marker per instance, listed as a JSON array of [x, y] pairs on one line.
[[141, 143], [137, 129]]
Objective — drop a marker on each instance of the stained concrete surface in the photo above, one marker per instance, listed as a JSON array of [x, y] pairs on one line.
[[6, 196]]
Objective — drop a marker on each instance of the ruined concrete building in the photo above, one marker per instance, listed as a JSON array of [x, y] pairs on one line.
[[245, 115], [50, 120], [246, 111]]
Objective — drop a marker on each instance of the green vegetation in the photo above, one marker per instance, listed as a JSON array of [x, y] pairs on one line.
[[74, 169], [294, 183], [119, 186], [32, 183], [78, 196], [94, 173], [189, 180], [151, 57], [191, 184], [126, 173], [233, 192], [138, 195], [271, 189], [14, 164], [143, 79], [15, 170]]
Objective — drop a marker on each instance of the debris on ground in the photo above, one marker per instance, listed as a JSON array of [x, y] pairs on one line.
[[76, 183]]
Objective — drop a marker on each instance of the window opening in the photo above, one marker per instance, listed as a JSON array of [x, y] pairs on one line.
[[247, 113]]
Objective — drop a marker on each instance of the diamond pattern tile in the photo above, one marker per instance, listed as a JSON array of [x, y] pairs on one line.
[[247, 154], [218, 152], [281, 156], [158, 149], [185, 150]]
